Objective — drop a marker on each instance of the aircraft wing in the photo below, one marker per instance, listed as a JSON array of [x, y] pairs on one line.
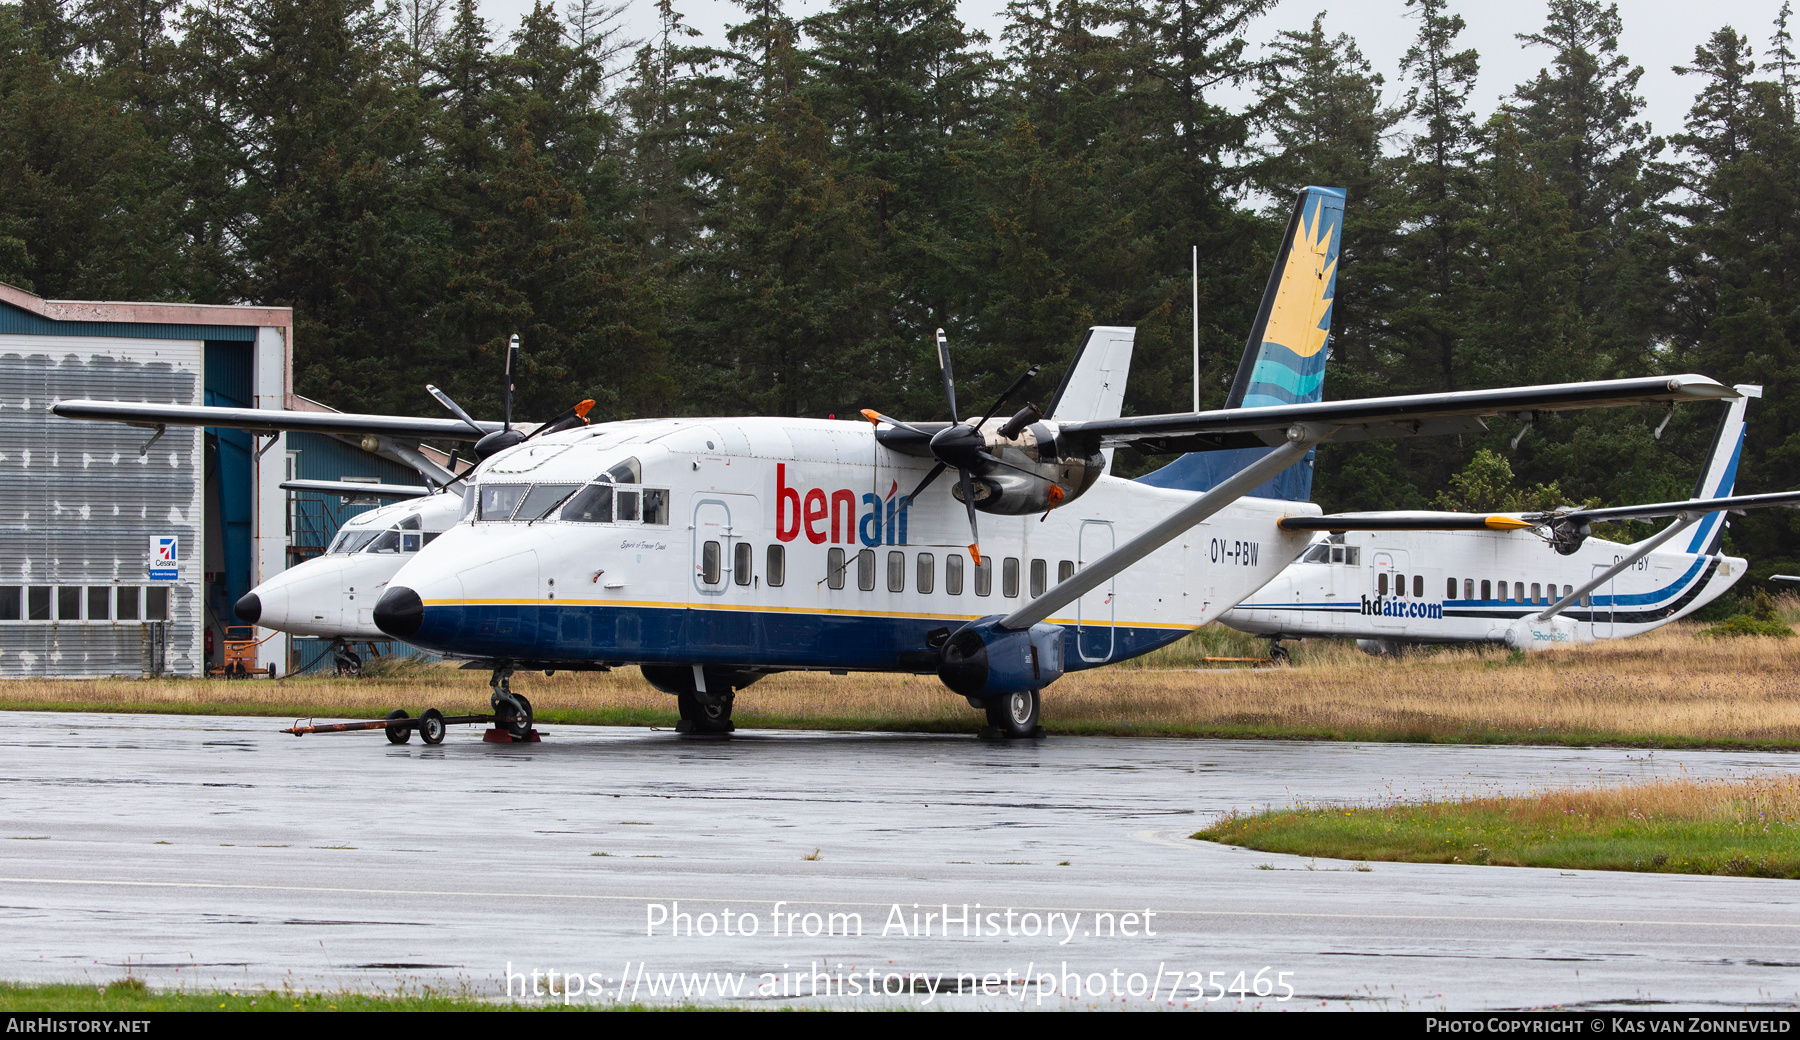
[[1424, 521], [1656, 509], [1381, 417], [275, 420], [352, 489]]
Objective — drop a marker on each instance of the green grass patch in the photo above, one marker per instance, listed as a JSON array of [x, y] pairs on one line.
[[1740, 828], [131, 995]]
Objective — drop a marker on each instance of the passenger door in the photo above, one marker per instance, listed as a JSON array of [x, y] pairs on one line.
[[1602, 600], [1094, 612]]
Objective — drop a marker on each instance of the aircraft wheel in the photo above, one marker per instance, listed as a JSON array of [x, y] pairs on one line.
[[518, 720], [698, 717], [1016, 714], [431, 726], [398, 734], [1279, 654]]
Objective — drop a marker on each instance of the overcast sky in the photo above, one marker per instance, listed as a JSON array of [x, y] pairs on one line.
[[1658, 34]]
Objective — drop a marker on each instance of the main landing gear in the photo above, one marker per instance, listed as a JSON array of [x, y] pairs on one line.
[[1278, 654], [1013, 716], [703, 694]]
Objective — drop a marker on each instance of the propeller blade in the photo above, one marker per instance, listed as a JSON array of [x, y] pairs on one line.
[[512, 354], [968, 490], [569, 420], [943, 348], [923, 484], [1000, 402], [452, 407], [876, 417]]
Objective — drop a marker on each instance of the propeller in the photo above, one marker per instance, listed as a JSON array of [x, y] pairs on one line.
[[492, 444], [961, 444]]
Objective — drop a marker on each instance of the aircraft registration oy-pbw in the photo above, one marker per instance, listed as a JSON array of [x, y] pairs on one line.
[[994, 551]]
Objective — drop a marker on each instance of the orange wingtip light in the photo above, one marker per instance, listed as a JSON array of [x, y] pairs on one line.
[[975, 552], [872, 415], [582, 408], [1506, 523]]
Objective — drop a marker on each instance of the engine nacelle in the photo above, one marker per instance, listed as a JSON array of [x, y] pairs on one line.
[[1040, 470], [982, 660]]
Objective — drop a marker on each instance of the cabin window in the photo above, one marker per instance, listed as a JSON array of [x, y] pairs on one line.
[[1009, 577], [741, 569], [542, 499], [1587, 600], [626, 506], [984, 577], [1468, 588], [1500, 591], [1399, 584], [834, 568], [128, 602], [1487, 589], [9, 603], [865, 570], [1449, 588], [896, 571], [1519, 591], [1537, 593], [1418, 586], [656, 506], [710, 562], [1381, 584], [156, 603], [68, 603], [1040, 576], [499, 500], [99, 603], [593, 505], [926, 579], [1065, 569], [1568, 590], [953, 574], [628, 472], [775, 566]]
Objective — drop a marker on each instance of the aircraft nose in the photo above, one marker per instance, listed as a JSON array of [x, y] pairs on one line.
[[249, 608], [400, 612]]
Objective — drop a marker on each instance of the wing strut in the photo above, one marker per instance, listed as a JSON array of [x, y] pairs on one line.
[[1684, 521], [1301, 438]]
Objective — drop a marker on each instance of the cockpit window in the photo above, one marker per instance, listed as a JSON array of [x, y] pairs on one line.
[[388, 542], [1320, 553], [544, 498], [349, 540], [499, 500], [411, 523], [656, 506], [593, 505], [627, 472]]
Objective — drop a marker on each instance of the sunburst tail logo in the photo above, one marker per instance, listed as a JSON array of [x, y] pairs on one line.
[[1284, 360]]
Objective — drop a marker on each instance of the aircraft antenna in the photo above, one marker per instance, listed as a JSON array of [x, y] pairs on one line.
[[1196, 328]]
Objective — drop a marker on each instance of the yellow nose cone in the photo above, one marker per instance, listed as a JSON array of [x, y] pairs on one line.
[[1506, 523]]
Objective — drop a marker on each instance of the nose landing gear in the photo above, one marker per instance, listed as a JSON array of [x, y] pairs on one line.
[[512, 712]]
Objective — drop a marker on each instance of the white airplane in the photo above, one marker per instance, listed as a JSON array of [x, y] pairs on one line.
[[712, 552], [1529, 580]]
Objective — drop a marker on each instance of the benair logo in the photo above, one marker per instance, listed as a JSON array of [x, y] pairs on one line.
[[1387, 606], [836, 517]]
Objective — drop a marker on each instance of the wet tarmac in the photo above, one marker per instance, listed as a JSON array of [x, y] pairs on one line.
[[217, 852]]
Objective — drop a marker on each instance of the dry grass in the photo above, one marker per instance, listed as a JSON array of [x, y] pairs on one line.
[[1746, 826], [1663, 689]]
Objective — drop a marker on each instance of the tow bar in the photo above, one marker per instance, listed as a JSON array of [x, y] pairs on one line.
[[430, 725]]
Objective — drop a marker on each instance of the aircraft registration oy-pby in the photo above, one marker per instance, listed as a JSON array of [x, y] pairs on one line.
[[713, 552], [1531, 580]]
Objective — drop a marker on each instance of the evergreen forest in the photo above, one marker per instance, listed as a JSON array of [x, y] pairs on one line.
[[776, 222]]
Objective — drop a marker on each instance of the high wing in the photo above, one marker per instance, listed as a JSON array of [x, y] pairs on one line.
[[1429, 521], [1297, 429], [1380, 417], [352, 489], [276, 420]]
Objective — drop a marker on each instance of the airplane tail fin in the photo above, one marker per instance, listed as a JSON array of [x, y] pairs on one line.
[[1720, 475], [1284, 357]]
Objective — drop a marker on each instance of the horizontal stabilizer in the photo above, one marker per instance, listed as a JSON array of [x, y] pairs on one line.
[[1656, 509], [352, 489]]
